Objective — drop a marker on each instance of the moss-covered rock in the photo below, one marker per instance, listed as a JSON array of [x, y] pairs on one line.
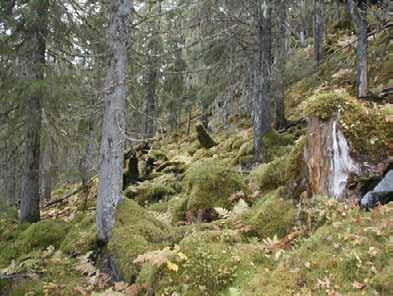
[[269, 176], [149, 192], [41, 235], [274, 145], [135, 232], [82, 236], [270, 216], [295, 160], [177, 207], [209, 184]]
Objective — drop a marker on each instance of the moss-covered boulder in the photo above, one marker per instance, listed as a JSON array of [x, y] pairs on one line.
[[270, 216], [41, 235], [149, 192], [136, 232], [295, 160], [209, 184], [274, 145], [269, 176], [82, 236]]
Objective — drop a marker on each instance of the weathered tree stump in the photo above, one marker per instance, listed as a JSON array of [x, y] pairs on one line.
[[204, 138], [131, 173]]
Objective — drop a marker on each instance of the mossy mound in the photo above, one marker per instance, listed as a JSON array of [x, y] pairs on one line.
[[82, 236], [270, 216], [41, 235], [134, 233], [350, 255], [7, 212], [209, 184], [274, 145], [149, 192], [369, 131], [178, 207], [9, 232], [209, 268], [269, 176], [295, 160]]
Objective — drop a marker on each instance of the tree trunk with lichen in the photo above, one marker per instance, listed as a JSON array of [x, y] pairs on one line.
[[319, 23], [110, 185], [262, 76], [33, 53], [359, 15]]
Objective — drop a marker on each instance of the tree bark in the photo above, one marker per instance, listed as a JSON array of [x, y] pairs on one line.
[[45, 173], [281, 10], [262, 77], [112, 143], [33, 53], [359, 14], [319, 29]]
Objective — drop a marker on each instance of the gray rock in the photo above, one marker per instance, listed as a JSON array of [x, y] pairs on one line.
[[382, 193], [386, 184]]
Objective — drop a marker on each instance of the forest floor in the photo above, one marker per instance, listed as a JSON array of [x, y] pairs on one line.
[[206, 222]]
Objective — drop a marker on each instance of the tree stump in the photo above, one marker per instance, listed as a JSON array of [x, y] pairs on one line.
[[204, 138]]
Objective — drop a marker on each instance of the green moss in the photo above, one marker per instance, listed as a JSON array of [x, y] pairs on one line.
[[178, 207], [269, 176], [295, 161], [134, 233], [209, 184], [42, 234], [348, 256], [367, 130], [158, 155], [149, 192], [82, 236], [383, 281], [270, 216], [7, 212], [274, 145], [326, 104], [208, 269], [161, 207]]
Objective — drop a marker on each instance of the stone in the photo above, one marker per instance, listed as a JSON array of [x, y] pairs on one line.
[[382, 193]]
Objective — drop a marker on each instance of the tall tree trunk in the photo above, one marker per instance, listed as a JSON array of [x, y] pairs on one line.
[[262, 79], [359, 14], [112, 143], [45, 173], [319, 22], [281, 10], [33, 53]]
